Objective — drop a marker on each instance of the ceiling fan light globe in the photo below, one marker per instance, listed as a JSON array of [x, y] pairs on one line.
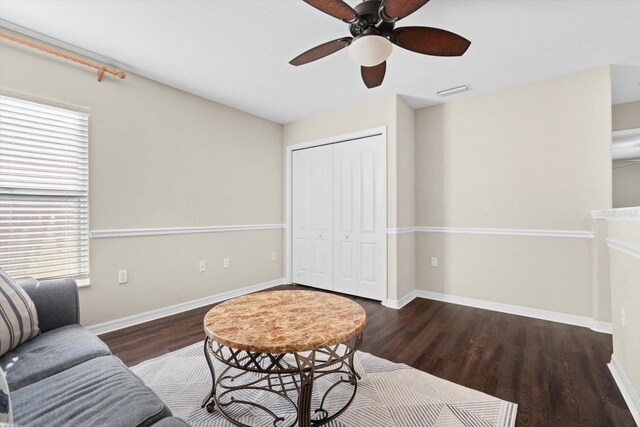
[[369, 51]]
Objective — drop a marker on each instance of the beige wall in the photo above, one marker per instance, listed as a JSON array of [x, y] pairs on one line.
[[531, 157], [392, 112], [601, 296], [625, 295], [406, 165], [538, 272], [626, 175], [381, 112], [626, 184], [160, 157], [626, 116], [406, 279]]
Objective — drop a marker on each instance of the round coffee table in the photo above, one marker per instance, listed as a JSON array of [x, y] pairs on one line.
[[273, 346]]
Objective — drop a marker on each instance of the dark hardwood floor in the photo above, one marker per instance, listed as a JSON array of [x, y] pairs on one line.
[[556, 373]]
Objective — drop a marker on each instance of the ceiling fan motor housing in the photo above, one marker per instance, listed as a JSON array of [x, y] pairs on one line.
[[370, 20]]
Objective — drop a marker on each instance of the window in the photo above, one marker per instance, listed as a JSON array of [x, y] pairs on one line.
[[44, 212]]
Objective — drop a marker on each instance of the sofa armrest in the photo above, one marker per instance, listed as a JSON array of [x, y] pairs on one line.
[[56, 302]]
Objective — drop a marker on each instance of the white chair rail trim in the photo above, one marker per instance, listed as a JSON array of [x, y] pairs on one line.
[[569, 234], [624, 247], [135, 232]]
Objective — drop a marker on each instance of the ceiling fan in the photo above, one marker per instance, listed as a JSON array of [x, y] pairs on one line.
[[372, 25]]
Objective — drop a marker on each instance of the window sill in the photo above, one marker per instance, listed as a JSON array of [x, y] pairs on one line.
[[83, 283]]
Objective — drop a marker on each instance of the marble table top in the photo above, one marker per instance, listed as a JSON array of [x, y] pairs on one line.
[[284, 321]]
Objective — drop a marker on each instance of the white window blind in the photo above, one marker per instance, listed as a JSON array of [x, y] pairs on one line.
[[44, 218]]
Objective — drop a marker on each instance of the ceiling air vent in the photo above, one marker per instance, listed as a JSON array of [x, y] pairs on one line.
[[454, 90]]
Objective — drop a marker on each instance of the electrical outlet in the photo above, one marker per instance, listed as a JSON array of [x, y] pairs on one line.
[[434, 261], [623, 317], [123, 277], [273, 256], [226, 263], [202, 266]]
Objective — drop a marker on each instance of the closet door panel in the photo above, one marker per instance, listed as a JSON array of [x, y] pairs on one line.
[[322, 216], [368, 263], [372, 233], [367, 189], [345, 189], [346, 249], [367, 232], [339, 217], [302, 256]]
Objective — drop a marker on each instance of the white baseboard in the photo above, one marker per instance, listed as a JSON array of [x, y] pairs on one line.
[[604, 327], [626, 388], [570, 319], [147, 316], [399, 303]]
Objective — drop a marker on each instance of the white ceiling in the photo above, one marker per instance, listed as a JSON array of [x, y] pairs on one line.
[[625, 83], [237, 52]]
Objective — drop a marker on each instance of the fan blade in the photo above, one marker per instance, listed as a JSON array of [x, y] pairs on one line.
[[430, 41], [393, 10], [373, 76], [321, 51], [336, 8]]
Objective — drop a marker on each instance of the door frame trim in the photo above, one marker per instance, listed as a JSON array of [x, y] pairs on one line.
[[288, 191]]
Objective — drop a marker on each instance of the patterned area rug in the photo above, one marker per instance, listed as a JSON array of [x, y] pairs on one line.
[[389, 395]]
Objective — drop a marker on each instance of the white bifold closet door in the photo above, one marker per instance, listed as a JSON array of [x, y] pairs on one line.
[[359, 207], [313, 217], [339, 217]]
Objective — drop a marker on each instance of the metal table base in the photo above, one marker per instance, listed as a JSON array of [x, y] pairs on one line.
[[288, 377]]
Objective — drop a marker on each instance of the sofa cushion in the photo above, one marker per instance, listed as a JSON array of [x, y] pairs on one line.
[[5, 401], [99, 392], [171, 422], [50, 353], [18, 315]]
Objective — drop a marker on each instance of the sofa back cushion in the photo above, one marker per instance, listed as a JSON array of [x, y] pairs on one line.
[[18, 315]]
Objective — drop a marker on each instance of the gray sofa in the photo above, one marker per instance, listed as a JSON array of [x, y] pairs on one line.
[[66, 376]]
